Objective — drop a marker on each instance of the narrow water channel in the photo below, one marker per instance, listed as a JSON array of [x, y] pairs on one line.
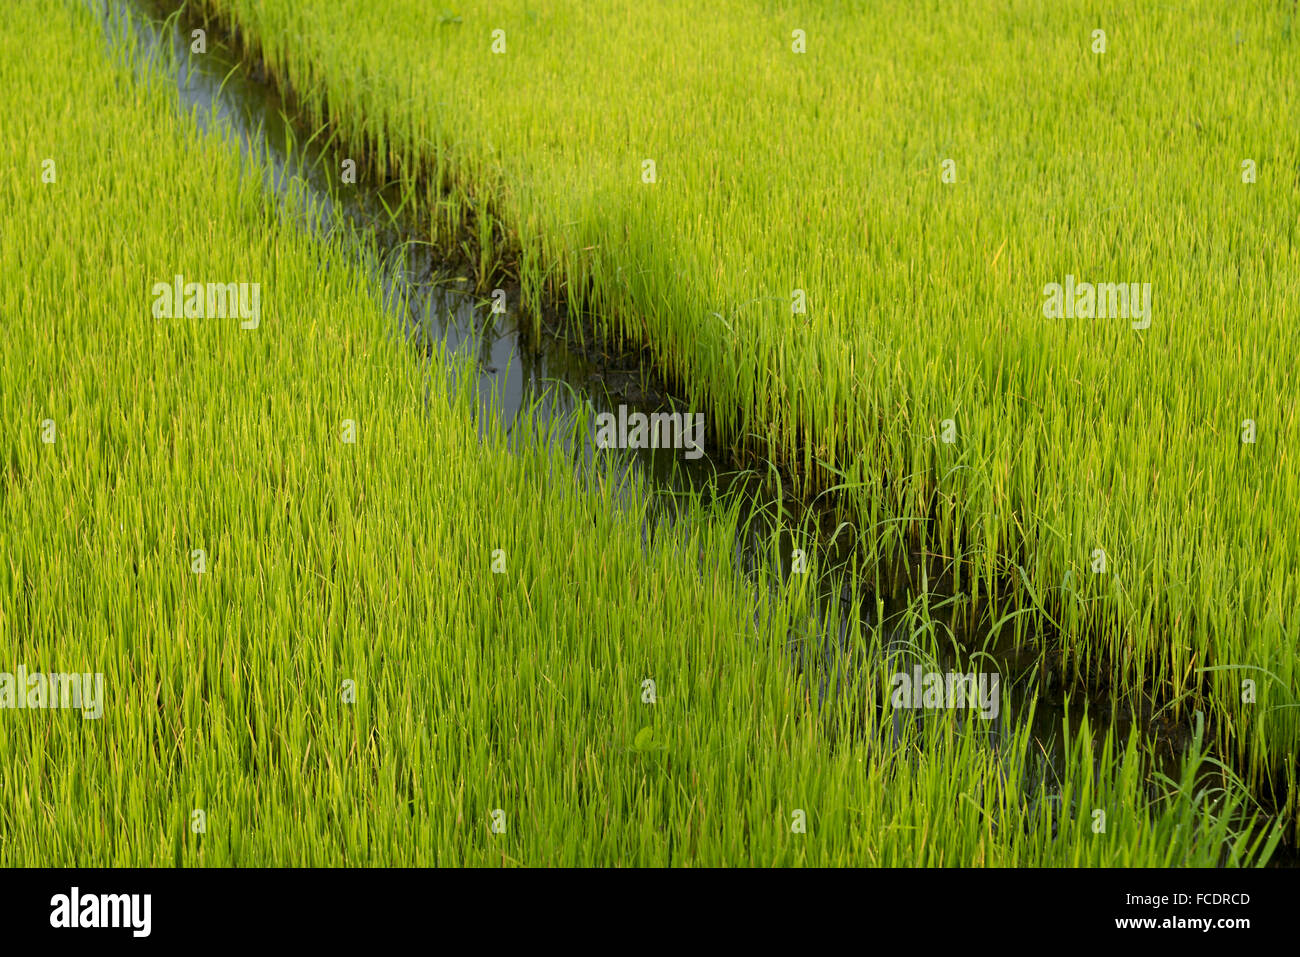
[[436, 308]]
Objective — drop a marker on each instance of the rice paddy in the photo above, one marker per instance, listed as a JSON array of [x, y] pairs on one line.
[[838, 229], [342, 617]]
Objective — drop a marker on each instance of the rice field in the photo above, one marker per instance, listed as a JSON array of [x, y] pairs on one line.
[[340, 622], [848, 231]]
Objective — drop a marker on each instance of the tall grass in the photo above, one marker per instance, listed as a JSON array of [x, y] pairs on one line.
[[822, 171], [371, 563]]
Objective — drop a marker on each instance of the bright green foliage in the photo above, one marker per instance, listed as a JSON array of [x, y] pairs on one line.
[[371, 562]]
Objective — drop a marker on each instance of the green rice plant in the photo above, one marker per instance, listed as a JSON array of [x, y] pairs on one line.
[[922, 173], [335, 626]]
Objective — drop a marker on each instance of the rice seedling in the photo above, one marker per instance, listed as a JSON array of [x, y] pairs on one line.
[[336, 625], [860, 234]]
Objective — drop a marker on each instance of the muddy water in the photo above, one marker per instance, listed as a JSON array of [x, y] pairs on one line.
[[515, 372]]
